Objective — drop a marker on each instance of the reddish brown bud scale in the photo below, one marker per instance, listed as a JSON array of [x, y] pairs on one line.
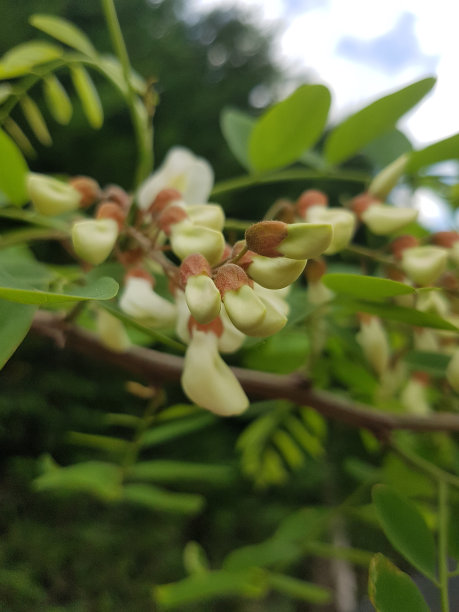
[[445, 239], [131, 257], [398, 245], [88, 188], [315, 269], [116, 194], [421, 377], [395, 274], [170, 216], [226, 252], [360, 203], [139, 273], [310, 197], [194, 265], [264, 237], [246, 259], [214, 327], [230, 277], [364, 317], [163, 199], [110, 210]]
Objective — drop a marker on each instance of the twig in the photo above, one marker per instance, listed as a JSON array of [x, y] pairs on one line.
[[158, 367]]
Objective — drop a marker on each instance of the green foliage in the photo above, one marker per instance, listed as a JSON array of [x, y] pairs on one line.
[[366, 287], [12, 181]]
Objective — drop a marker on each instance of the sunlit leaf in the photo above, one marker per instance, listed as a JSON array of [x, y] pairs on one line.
[[57, 99], [19, 60], [161, 500], [35, 120], [286, 130], [63, 30], [406, 529], [236, 127], [350, 136], [391, 590], [14, 171], [15, 322], [365, 287], [434, 153], [88, 95]]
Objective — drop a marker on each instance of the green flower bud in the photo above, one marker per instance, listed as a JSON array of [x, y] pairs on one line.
[[50, 196], [94, 239]]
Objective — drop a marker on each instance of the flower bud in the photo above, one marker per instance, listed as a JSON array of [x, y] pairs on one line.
[[50, 196], [139, 301], [276, 313], [208, 381], [94, 239], [207, 215], [187, 238], [310, 197], [88, 188], [383, 219], [112, 332], [116, 194], [452, 371], [343, 223], [163, 199], [414, 396], [296, 241], [424, 264], [274, 272], [401, 243], [385, 181], [242, 305], [373, 341], [110, 210], [202, 298], [360, 203]]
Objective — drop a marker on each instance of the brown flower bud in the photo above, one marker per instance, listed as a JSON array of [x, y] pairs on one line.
[[110, 210], [310, 197], [401, 243], [170, 216], [231, 277], [445, 239], [315, 269], [362, 202], [194, 265], [88, 188], [163, 199], [116, 194], [265, 237]]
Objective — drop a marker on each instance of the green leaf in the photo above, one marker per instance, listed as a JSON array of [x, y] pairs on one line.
[[57, 99], [172, 431], [95, 477], [372, 121], [36, 120], [365, 287], [400, 314], [158, 499], [299, 589], [108, 444], [19, 60], [236, 127], [433, 363], [180, 471], [15, 322], [16, 291], [63, 30], [434, 153], [266, 554], [208, 586], [195, 559], [391, 590], [387, 147], [14, 171], [287, 129], [87, 92], [406, 529]]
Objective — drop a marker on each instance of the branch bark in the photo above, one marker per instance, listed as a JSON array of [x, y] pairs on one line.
[[158, 368]]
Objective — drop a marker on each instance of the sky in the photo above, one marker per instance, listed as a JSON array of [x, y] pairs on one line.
[[363, 49]]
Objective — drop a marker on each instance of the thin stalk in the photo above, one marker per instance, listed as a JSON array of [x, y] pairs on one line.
[[296, 174], [436, 473], [443, 543], [143, 141]]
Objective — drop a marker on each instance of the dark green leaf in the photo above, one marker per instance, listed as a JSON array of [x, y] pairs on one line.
[[406, 529], [15, 322], [433, 363], [287, 129], [434, 153], [365, 287], [299, 589], [14, 171], [266, 554], [236, 127], [372, 121], [96, 477], [391, 590], [17, 291], [382, 151], [208, 586], [400, 314], [108, 444], [63, 30], [176, 429], [179, 471], [158, 499]]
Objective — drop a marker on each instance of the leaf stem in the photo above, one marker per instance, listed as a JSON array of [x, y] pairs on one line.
[[443, 543], [140, 122]]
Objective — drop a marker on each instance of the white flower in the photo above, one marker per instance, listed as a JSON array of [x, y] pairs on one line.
[[343, 222], [424, 264], [141, 302], [372, 338], [208, 381], [50, 196], [94, 239], [181, 170], [383, 219]]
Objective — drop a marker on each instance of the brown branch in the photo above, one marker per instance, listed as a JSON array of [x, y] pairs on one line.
[[157, 367]]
